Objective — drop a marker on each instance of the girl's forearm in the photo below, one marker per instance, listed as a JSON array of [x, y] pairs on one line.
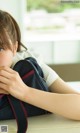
[[59, 86], [66, 105]]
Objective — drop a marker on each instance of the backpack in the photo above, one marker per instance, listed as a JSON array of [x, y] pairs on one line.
[[32, 75]]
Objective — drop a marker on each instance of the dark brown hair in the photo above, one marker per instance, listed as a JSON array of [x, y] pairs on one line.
[[9, 31]]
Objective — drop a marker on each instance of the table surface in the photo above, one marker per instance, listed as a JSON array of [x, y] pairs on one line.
[[50, 123]]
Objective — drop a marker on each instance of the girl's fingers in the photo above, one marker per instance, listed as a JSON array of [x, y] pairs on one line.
[[3, 91], [7, 72], [4, 80], [8, 69], [7, 89], [3, 86]]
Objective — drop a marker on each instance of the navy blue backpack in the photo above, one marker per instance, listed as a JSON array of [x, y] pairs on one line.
[[32, 75]]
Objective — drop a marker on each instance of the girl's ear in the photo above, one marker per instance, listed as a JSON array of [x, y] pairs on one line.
[[15, 48]]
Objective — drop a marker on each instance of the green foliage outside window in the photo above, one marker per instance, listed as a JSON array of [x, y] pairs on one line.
[[52, 5]]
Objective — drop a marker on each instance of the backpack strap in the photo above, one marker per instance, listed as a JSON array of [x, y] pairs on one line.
[[19, 113]]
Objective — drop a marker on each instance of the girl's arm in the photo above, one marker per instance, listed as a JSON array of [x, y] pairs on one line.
[[60, 86], [67, 105], [54, 82]]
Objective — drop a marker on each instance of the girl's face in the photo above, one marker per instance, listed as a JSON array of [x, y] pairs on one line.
[[6, 56]]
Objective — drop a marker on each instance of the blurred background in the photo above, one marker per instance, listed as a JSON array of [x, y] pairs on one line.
[[49, 27]]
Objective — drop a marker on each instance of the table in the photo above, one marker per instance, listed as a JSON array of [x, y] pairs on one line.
[[50, 123]]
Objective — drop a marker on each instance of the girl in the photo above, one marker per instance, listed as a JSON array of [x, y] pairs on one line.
[[61, 99]]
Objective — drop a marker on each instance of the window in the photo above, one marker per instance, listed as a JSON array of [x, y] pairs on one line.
[[54, 25]]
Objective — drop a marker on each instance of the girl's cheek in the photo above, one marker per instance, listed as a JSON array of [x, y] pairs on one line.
[[6, 58], [6, 61]]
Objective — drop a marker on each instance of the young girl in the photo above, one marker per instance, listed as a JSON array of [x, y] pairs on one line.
[[61, 99]]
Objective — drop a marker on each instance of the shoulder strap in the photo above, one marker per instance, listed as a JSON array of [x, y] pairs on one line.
[[19, 114], [35, 65]]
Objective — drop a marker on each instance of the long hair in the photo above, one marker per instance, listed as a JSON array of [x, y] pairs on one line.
[[9, 31]]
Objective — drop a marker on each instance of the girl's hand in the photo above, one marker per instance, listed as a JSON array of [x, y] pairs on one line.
[[11, 82], [3, 91]]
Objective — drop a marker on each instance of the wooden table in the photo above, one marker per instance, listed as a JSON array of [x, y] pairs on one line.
[[50, 123]]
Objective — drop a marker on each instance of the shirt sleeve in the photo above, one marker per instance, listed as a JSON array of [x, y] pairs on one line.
[[49, 74]]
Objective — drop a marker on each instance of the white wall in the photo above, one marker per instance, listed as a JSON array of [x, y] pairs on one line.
[[66, 52]]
